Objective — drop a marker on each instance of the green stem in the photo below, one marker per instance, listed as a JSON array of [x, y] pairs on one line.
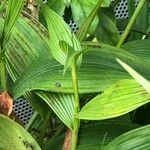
[[44, 129], [81, 34], [131, 22], [77, 106], [3, 74], [31, 121]]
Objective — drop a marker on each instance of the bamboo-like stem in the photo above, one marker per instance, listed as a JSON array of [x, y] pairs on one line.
[[131, 22], [77, 105]]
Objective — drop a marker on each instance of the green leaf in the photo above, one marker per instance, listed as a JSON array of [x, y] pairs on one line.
[[139, 48], [67, 2], [25, 45], [81, 10], [70, 53], [62, 105], [107, 31], [119, 99], [12, 14], [59, 31], [140, 79], [95, 135], [59, 8], [2, 4], [13, 136], [98, 71], [136, 139], [89, 22]]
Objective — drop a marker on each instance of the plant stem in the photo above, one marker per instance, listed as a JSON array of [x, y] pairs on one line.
[[77, 106], [31, 121], [86, 25], [3, 73], [131, 22], [44, 129]]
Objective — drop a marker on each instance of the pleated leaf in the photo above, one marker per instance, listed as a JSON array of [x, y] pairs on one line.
[[62, 105], [59, 31], [119, 99], [13, 136], [140, 48], [26, 44], [98, 71], [138, 139]]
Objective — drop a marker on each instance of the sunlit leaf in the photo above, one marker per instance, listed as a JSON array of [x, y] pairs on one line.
[[140, 79], [13, 136], [98, 71], [13, 12], [59, 31], [119, 99]]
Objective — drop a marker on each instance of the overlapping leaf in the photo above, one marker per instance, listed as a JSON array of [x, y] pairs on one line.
[[61, 104], [119, 99], [98, 71], [13, 12], [13, 136], [136, 139], [81, 10], [140, 79], [59, 31], [95, 135]]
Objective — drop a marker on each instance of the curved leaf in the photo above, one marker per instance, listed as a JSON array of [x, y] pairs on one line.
[[59, 31], [119, 99], [140, 79], [95, 135], [22, 49], [98, 71], [82, 9], [12, 14], [61, 104], [136, 139], [13, 136], [140, 48]]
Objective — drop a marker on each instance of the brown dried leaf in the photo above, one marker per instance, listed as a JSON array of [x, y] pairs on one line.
[[6, 104]]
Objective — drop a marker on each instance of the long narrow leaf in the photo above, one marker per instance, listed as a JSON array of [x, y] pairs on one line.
[[13, 12], [140, 79]]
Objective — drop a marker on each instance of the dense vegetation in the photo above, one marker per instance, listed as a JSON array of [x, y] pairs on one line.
[[89, 89]]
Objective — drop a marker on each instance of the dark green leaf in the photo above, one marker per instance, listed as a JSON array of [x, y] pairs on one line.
[[95, 135], [138, 139], [107, 31], [62, 105]]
